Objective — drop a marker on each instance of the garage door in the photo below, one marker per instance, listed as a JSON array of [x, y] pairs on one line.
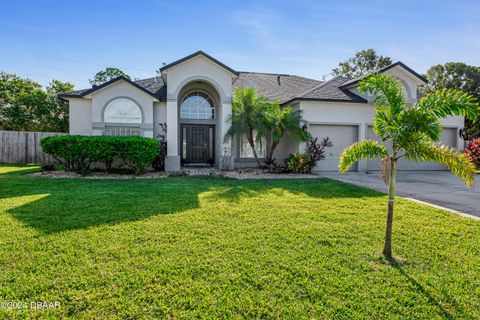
[[341, 137], [448, 137]]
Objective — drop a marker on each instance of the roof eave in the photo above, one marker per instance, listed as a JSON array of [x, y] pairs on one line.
[[199, 53], [63, 96], [360, 100], [352, 84], [66, 96]]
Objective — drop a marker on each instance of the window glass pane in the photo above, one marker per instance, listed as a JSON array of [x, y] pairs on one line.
[[122, 111], [246, 150], [122, 131], [197, 105], [184, 143]]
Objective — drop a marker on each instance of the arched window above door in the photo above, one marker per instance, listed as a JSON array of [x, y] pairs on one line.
[[197, 105]]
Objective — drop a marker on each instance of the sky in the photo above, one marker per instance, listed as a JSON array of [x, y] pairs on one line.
[[72, 40]]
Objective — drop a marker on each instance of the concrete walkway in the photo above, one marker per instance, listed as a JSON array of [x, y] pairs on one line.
[[439, 188]]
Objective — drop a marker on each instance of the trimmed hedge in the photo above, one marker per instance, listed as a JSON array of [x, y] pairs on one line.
[[77, 153]]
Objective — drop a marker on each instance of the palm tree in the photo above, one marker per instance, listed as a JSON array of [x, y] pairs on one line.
[[248, 116], [409, 132], [281, 121]]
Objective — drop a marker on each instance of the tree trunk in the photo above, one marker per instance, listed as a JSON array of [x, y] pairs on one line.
[[252, 145], [271, 150], [387, 249]]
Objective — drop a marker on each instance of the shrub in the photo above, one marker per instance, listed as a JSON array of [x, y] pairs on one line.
[[304, 162], [77, 153], [103, 150], [316, 150], [472, 151], [298, 163], [70, 150], [138, 153]]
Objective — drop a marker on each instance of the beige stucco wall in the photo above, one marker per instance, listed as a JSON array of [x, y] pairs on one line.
[[409, 84], [197, 70], [80, 116], [119, 89], [86, 115], [359, 115], [159, 116]]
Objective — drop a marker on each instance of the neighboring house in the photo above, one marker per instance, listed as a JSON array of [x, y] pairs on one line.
[[193, 97]]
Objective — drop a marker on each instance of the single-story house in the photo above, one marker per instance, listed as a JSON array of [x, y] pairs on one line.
[[193, 97]]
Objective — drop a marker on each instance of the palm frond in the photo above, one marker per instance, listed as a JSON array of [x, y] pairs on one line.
[[390, 101], [249, 113], [450, 102], [387, 91], [415, 120], [366, 149], [457, 163]]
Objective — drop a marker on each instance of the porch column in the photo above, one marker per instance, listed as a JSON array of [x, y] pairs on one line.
[[225, 159], [172, 161]]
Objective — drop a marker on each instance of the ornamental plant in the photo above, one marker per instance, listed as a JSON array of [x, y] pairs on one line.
[[472, 151], [409, 132], [298, 163]]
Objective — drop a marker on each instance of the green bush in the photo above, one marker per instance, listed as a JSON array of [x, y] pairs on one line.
[[77, 153], [298, 163], [71, 150], [138, 153]]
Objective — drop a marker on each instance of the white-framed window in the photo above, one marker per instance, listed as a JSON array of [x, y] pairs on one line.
[[122, 131], [122, 110], [197, 105], [246, 150]]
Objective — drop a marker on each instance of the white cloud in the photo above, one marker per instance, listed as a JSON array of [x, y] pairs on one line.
[[264, 26]]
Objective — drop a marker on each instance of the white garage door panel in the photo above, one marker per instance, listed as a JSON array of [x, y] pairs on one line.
[[341, 137], [448, 137]]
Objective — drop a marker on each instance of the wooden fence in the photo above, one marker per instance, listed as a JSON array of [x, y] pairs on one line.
[[24, 147]]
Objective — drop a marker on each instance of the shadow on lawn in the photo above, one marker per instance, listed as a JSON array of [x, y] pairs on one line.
[[69, 204], [314, 188], [431, 299]]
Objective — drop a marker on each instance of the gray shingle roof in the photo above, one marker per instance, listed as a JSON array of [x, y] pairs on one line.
[[155, 86], [331, 91], [279, 87], [282, 87]]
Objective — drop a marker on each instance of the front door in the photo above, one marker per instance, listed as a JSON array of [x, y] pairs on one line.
[[197, 144]]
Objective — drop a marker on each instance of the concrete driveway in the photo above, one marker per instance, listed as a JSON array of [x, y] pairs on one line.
[[439, 188]]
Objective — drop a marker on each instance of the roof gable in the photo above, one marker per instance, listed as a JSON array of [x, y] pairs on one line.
[[149, 86], [400, 64], [196, 54]]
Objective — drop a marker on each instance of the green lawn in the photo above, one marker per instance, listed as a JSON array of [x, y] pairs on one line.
[[216, 248]]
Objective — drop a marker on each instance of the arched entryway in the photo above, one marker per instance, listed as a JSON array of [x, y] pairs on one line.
[[198, 108]]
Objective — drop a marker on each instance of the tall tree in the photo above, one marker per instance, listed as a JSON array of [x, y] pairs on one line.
[[25, 106], [460, 76], [108, 74], [410, 133], [364, 62], [248, 117], [19, 101], [56, 117]]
